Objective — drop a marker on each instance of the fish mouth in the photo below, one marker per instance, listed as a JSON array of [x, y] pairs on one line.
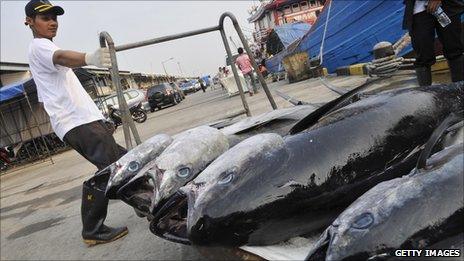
[[115, 181], [159, 196], [138, 193], [319, 251], [119, 179], [100, 179], [170, 221], [182, 220]]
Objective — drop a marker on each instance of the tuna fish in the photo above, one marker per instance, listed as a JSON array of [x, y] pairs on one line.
[[130, 164], [300, 183], [189, 154], [411, 212], [277, 121], [192, 150]]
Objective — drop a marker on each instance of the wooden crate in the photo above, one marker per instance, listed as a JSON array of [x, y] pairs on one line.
[[296, 66]]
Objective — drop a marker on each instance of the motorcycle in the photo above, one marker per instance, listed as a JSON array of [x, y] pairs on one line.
[[5, 161], [137, 113]]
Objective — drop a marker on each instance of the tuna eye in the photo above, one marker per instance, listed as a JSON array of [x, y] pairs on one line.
[[183, 172], [226, 179], [133, 166], [364, 221]]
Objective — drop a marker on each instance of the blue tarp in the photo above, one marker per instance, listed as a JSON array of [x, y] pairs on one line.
[[353, 29], [11, 91], [274, 64], [288, 33]]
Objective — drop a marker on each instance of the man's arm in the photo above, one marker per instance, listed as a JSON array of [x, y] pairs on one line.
[[71, 59]]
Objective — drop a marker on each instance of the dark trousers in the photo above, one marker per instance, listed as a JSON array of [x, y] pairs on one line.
[[95, 142], [423, 38]]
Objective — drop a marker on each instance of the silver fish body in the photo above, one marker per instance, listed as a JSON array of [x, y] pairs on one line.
[[302, 182], [411, 212], [132, 162], [189, 153]]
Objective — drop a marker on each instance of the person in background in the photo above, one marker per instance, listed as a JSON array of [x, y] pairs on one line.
[[422, 25], [220, 73], [202, 84], [244, 64], [73, 115], [262, 68], [225, 71]]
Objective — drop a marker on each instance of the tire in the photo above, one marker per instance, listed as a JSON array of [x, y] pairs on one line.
[[139, 116], [174, 100], [152, 109]]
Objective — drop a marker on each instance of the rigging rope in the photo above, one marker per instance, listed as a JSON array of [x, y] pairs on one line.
[[323, 35]]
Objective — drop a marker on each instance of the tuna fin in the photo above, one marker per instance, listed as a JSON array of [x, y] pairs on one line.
[[435, 137], [221, 123], [227, 121], [332, 87], [313, 117], [294, 101]]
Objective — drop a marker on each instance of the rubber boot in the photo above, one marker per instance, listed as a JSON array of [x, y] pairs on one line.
[[424, 76], [93, 211], [457, 69]]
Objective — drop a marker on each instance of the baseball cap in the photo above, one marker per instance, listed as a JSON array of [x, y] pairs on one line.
[[42, 6]]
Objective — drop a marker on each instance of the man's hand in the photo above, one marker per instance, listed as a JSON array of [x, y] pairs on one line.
[[100, 58], [432, 5]]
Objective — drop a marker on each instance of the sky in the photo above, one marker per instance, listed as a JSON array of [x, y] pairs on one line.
[[133, 21]]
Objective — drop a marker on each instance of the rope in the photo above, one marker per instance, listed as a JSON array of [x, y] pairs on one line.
[[404, 41], [325, 31], [385, 67]]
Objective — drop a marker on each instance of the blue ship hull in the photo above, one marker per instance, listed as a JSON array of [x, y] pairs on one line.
[[354, 27]]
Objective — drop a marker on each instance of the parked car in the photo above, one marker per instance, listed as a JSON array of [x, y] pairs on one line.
[[188, 87], [133, 97], [177, 89], [162, 94], [197, 85]]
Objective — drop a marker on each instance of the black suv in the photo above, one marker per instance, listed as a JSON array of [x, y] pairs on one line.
[[162, 94]]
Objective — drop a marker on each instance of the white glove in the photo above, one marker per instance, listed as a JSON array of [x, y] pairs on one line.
[[100, 58]]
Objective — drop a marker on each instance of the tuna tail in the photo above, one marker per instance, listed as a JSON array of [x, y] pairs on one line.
[[435, 137]]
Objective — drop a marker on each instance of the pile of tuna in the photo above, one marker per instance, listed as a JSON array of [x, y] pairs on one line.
[[374, 170]]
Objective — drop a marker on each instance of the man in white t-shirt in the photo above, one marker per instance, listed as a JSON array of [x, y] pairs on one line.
[[73, 115]]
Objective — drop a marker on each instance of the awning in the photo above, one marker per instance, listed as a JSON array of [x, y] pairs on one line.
[[11, 91], [288, 33]]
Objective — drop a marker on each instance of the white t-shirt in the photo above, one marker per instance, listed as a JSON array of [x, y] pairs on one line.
[[65, 100], [419, 6]]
